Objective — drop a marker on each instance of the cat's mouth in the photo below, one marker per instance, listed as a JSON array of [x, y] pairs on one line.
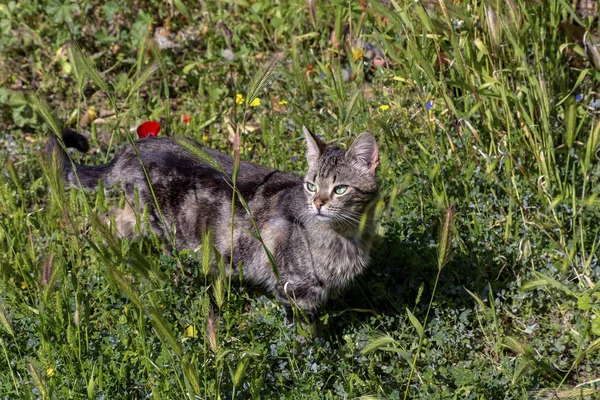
[[323, 217]]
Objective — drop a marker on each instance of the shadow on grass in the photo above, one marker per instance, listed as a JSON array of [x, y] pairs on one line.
[[402, 275]]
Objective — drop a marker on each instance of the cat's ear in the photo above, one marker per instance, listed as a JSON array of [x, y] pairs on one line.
[[365, 149], [314, 146]]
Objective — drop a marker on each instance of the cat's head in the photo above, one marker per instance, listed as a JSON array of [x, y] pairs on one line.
[[341, 186]]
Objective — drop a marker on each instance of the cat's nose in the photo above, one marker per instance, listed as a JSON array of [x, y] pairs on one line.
[[319, 203]]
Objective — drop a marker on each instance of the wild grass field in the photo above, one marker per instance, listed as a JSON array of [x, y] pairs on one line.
[[484, 281]]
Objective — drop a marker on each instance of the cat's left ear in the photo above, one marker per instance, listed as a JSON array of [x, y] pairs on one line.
[[314, 146], [365, 149]]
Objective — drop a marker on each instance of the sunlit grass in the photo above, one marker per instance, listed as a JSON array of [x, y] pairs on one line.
[[484, 280]]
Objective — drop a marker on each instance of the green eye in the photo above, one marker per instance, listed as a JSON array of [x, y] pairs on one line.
[[311, 187], [341, 189]]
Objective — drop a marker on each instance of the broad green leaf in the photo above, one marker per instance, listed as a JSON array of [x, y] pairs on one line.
[[183, 9], [596, 325], [416, 324], [583, 303]]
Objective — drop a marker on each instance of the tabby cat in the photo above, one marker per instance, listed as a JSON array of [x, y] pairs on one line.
[[318, 229]]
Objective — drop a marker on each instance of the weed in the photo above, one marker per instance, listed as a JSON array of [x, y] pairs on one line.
[[485, 113]]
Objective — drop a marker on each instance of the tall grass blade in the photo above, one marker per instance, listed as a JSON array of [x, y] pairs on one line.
[[190, 373], [118, 279], [478, 300], [591, 147], [10, 367], [570, 123], [378, 342], [193, 147], [164, 331], [43, 109], [545, 280], [348, 110], [143, 77], [207, 243]]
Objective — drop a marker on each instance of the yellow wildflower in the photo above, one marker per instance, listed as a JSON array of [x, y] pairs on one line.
[[23, 285], [283, 102], [205, 138], [190, 331], [358, 54], [384, 107], [255, 102], [91, 112], [50, 372], [239, 98]]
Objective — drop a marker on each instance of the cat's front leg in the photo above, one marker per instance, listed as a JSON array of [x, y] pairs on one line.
[[300, 303]]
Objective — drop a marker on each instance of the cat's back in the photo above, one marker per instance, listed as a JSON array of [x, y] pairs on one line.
[[184, 162]]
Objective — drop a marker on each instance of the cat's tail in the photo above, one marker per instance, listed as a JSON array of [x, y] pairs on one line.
[[76, 174]]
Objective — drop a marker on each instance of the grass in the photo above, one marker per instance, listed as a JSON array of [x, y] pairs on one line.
[[484, 278]]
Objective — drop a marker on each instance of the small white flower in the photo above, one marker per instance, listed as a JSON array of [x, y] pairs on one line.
[[228, 55]]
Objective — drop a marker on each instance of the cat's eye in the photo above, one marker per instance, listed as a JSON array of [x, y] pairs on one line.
[[340, 189], [311, 187]]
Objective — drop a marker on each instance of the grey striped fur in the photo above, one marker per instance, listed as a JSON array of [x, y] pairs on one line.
[[320, 239]]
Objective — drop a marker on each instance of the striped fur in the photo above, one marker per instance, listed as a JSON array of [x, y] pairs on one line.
[[314, 233]]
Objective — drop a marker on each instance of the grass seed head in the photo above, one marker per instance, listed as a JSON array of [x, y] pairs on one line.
[[211, 331]]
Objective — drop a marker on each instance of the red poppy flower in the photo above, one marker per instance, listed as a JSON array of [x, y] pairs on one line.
[[186, 118], [148, 128], [309, 70]]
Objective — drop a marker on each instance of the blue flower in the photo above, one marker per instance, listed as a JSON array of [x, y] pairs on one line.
[[578, 97], [428, 105], [295, 158]]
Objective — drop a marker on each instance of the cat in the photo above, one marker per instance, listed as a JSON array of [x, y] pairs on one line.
[[318, 228]]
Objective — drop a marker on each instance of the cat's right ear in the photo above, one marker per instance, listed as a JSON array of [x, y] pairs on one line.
[[365, 149], [314, 146]]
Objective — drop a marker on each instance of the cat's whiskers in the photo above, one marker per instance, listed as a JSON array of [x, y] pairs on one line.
[[347, 214], [346, 220], [302, 217], [350, 218]]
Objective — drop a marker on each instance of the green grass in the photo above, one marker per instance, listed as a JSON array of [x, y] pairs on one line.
[[484, 278]]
